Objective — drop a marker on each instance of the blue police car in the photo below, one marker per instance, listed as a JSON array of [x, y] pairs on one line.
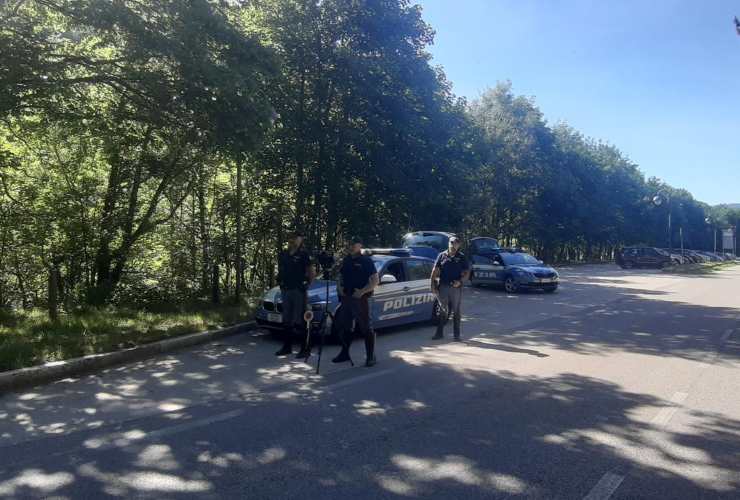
[[513, 269], [427, 244], [403, 296]]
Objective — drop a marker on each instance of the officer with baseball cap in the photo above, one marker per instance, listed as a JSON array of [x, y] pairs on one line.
[[295, 274], [357, 280], [450, 270]]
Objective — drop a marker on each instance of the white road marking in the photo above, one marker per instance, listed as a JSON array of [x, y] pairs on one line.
[[128, 439], [606, 487], [114, 441], [666, 414], [361, 378], [175, 429]]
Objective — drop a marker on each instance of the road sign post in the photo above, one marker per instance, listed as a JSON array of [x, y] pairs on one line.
[[729, 241]]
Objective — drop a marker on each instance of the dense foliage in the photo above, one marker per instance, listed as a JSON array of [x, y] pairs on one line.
[[159, 150]]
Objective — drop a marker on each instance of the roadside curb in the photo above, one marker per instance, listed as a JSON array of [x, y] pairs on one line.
[[581, 264], [34, 375], [697, 266], [576, 265], [687, 267]]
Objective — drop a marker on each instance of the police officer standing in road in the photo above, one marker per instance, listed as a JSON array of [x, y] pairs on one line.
[[357, 280], [295, 274], [450, 270]]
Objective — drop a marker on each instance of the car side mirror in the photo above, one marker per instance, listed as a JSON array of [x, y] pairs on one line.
[[388, 278]]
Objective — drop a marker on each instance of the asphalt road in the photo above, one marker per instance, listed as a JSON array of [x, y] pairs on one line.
[[623, 384]]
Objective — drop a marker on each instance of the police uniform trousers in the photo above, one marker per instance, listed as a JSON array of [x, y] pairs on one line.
[[450, 299], [356, 312], [295, 302]]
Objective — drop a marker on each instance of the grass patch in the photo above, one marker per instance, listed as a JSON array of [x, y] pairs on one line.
[[28, 338], [703, 268]]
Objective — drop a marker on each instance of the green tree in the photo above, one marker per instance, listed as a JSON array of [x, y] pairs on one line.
[[518, 149], [366, 124], [161, 86]]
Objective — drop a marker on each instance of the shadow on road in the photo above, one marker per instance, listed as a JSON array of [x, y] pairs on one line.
[[515, 436], [430, 429], [506, 348], [635, 325]]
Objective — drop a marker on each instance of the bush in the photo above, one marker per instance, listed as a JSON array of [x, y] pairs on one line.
[[29, 338]]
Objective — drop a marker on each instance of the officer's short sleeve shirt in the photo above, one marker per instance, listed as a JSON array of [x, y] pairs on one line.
[[451, 267]]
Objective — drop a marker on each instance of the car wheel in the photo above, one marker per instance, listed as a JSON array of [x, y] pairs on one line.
[[475, 284], [510, 285]]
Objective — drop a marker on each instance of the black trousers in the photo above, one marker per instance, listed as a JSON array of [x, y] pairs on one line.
[[295, 303], [356, 312]]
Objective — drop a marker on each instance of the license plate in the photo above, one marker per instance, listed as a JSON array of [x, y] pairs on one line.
[[545, 280], [274, 318]]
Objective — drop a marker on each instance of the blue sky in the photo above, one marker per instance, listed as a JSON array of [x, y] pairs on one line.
[[659, 79]]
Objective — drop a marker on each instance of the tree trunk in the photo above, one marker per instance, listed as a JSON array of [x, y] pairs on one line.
[[300, 157], [21, 284], [205, 257], [193, 239], [53, 293], [215, 292], [238, 248], [107, 273], [2, 270], [97, 294], [225, 248]]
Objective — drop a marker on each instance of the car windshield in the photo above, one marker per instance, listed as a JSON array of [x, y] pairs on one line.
[[436, 241], [514, 259], [486, 245]]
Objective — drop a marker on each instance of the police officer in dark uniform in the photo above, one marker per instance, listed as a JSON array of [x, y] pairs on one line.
[[450, 270], [357, 280], [295, 274]]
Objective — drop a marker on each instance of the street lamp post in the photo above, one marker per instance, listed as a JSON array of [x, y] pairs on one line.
[[713, 227], [658, 199]]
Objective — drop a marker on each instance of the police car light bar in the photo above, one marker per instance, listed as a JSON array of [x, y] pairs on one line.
[[397, 252]]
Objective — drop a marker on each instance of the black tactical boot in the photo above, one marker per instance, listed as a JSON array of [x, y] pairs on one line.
[[370, 349], [456, 328], [342, 356], [305, 352], [285, 350], [287, 343]]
